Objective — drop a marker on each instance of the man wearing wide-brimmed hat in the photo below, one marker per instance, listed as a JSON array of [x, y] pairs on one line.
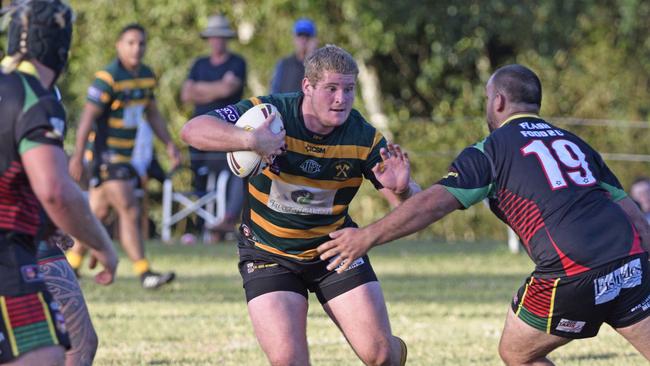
[[216, 81]]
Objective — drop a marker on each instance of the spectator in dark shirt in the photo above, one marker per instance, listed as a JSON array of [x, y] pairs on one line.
[[290, 70], [216, 81]]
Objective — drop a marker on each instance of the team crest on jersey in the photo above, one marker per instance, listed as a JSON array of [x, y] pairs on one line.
[[343, 170], [310, 166]]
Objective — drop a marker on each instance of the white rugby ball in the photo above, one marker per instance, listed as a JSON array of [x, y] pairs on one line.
[[248, 163]]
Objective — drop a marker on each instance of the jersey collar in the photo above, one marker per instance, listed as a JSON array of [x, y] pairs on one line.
[[516, 116], [25, 67], [28, 68]]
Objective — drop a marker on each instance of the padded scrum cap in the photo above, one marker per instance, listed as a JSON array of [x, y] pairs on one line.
[[41, 30]]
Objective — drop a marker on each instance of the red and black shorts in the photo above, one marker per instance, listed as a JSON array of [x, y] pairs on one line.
[[265, 272], [575, 307], [29, 317]]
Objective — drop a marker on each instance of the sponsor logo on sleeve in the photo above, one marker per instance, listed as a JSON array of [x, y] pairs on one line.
[[228, 114], [94, 94], [607, 287], [58, 126], [450, 174], [570, 326]]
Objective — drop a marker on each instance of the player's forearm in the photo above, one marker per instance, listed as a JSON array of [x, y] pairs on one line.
[[416, 213], [396, 199], [158, 124], [68, 209], [83, 129], [212, 134]]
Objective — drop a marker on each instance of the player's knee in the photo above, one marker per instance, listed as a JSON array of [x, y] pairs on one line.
[[287, 359], [378, 355], [510, 356], [129, 210]]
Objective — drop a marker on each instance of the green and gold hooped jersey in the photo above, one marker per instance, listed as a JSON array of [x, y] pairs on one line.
[[295, 203], [123, 98]]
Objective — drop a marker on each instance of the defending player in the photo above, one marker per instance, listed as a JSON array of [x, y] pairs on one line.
[[302, 197], [34, 177], [573, 217], [121, 96]]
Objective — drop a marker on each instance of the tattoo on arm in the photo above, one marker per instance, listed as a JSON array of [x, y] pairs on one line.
[[62, 283]]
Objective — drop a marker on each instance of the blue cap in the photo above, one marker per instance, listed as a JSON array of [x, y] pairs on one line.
[[304, 27]]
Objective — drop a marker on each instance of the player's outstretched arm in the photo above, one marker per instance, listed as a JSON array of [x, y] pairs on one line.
[[46, 167], [159, 127], [210, 133], [638, 220], [414, 214]]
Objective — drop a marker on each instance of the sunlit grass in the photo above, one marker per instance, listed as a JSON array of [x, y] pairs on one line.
[[447, 301]]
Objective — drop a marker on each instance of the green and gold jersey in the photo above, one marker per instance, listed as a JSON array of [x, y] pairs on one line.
[[123, 97], [295, 203]]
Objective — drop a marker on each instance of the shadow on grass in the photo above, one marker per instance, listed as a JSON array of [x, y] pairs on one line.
[[594, 356], [451, 288], [442, 289]]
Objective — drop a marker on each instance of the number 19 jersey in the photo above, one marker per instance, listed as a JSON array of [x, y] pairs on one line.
[[552, 189]]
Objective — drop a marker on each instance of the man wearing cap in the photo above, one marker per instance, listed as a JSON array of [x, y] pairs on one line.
[[290, 70], [214, 82]]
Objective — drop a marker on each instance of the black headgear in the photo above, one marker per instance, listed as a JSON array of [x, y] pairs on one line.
[[41, 30]]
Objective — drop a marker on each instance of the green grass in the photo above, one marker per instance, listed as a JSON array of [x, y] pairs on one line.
[[447, 301]]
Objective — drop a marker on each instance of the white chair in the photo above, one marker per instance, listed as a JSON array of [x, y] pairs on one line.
[[211, 206]]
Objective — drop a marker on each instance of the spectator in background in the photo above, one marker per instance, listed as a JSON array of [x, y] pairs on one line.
[[290, 70], [640, 193], [214, 82], [119, 100]]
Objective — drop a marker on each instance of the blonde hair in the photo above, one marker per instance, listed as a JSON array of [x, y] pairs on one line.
[[329, 58]]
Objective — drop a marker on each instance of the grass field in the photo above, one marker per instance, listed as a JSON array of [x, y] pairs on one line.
[[447, 301]]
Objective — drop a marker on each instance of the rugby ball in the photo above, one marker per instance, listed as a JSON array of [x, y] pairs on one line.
[[248, 163]]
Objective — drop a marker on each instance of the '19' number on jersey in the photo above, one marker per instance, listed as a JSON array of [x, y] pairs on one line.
[[569, 155]]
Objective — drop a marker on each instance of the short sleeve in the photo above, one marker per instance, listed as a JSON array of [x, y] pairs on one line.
[[379, 141], [194, 71], [43, 124], [607, 180], [229, 113], [470, 177], [100, 92], [240, 70]]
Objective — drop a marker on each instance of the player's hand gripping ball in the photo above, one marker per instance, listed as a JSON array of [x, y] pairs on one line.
[[249, 163]]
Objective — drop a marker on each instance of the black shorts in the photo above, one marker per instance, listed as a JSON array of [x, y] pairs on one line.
[[575, 307], [29, 317], [119, 171], [265, 272], [47, 253]]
